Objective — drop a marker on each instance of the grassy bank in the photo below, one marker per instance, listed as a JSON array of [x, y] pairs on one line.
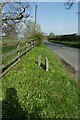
[[75, 44], [10, 45], [31, 92]]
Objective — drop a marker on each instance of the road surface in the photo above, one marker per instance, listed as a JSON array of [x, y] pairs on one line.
[[69, 54]]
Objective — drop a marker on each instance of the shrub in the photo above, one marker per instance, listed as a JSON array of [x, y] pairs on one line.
[[39, 37]]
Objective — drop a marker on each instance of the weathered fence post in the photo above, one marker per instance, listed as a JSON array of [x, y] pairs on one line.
[[18, 51], [46, 64], [31, 44], [39, 60], [26, 46]]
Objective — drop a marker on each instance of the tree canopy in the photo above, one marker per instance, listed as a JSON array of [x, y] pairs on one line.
[[13, 13]]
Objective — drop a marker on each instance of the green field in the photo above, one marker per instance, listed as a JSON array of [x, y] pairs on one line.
[[8, 47], [29, 92]]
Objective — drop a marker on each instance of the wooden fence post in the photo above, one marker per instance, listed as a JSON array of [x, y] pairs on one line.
[[31, 44], [26, 46], [39, 60], [18, 51], [46, 64]]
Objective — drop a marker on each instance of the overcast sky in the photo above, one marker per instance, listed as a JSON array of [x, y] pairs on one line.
[[53, 17]]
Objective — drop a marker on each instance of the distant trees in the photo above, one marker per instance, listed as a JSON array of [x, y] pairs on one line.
[[33, 31], [68, 37], [51, 36], [30, 28]]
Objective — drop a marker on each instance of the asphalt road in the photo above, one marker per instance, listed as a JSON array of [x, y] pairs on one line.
[[69, 54]]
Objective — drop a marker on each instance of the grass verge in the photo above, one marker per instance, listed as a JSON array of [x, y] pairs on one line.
[[74, 44], [30, 92]]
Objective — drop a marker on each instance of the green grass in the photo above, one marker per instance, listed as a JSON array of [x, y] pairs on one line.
[[9, 58], [9, 45], [69, 43], [31, 92], [6, 49]]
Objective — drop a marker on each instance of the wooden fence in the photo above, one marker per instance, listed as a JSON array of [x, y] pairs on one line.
[[19, 52]]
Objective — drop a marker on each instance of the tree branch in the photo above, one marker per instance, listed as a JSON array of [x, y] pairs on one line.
[[5, 3], [69, 4]]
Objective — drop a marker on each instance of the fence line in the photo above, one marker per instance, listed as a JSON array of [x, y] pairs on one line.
[[4, 68]]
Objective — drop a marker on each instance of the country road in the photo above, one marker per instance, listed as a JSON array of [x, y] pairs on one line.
[[69, 54]]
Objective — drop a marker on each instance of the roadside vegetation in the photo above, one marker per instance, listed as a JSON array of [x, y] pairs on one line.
[[38, 36], [10, 46], [30, 92], [72, 40], [68, 43]]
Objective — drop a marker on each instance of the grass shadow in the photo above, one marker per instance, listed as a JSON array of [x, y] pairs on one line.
[[11, 109], [36, 62], [42, 65]]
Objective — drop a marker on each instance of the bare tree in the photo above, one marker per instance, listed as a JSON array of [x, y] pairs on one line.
[[13, 13], [5, 2], [29, 30], [69, 4]]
